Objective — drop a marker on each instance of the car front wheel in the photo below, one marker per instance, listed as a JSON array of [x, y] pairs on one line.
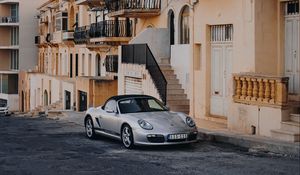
[[89, 128], [127, 137]]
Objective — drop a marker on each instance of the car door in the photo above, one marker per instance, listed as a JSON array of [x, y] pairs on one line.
[[110, 119]]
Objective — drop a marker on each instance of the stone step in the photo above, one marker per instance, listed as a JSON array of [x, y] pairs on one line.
[[164, 67], [217, 119], [165, 61], [174, 86], [291, 126], [285, 135], [176, 97], [173, 81], [178, 102], [175, 91], [295, 117], [168, 72], [170, 77], [180, 107]]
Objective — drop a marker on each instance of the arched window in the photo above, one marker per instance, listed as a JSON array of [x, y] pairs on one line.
[[171, 26], [184, 26]]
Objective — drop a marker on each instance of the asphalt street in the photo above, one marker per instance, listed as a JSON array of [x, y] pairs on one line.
[[44, 146]]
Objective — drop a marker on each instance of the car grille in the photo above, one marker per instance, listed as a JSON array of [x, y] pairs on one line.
[[156, 139]]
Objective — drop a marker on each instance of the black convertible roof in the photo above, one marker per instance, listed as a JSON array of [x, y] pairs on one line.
[[121, 97]]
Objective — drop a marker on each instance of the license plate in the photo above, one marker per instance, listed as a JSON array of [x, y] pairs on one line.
[[177, 136]]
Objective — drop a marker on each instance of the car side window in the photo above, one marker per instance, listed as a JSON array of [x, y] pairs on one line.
[[111, 105]]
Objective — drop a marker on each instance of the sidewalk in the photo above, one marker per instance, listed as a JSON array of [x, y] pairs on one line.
[[211, 131], [215, 132]]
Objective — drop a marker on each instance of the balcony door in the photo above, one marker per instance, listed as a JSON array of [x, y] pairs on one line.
[[292, 46]]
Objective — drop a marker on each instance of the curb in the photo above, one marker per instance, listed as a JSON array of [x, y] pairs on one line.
[[252, 142]]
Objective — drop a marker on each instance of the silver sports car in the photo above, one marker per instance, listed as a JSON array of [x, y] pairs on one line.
[[139, 120]]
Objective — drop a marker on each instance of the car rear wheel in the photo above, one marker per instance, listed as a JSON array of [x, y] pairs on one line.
[[89, 128], [127, 137]]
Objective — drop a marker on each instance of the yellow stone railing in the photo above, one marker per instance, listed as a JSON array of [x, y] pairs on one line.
[[261, 90]]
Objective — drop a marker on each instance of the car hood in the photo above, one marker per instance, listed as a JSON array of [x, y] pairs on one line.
[[162, 120]]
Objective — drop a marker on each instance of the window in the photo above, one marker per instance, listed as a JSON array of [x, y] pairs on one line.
[[14, 12], [184, 26], [221, 33], [14, 60], [82, 65], [61, 21], [14, 36], [292, 8], [111, 105], [111, 63]]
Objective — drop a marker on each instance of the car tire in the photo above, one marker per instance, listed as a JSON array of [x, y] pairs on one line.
[[127, 137], [89, 128]]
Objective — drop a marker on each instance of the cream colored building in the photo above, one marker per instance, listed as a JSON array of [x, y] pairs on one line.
[[234, 62], [17, 49]]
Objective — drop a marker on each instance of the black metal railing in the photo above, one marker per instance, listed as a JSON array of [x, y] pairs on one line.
[[115, 5], [111, 63], [81, 35], [111, 28], [141, 54], [9, 19]]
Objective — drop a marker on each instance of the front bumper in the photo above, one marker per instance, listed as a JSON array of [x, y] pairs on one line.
[[142, 138]]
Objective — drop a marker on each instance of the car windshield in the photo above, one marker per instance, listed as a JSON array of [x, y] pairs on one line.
[[2, 105], [135, 105]]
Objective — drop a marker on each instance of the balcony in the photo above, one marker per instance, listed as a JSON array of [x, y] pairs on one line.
[[81, 35], [92, 3], [6, 45], [255, 89], [9, 1], [111, 32], [133, 8], [9, 21], [108, 32], [68, 35]]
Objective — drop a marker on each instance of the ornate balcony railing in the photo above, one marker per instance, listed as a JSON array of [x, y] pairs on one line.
[[111, 28], [260, 90], [133, 8], [81, 35]]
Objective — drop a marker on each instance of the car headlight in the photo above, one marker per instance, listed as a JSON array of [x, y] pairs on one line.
[[145, 125], [190, 122]]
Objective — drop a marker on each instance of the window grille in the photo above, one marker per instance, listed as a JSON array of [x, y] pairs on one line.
[[221, 33], [291, 8]]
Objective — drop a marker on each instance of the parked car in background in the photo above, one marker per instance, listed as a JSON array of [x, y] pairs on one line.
[[3, 107], [139, 120]]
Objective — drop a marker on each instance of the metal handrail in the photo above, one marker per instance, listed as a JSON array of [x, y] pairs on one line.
[[141, 54], [111, 28]]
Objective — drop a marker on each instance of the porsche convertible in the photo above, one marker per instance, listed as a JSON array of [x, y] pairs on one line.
[[139, 120]]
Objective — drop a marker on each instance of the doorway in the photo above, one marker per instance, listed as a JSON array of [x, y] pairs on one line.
[[171, 27], [221, 60], [82, 101], [67, 100], [292, 46]]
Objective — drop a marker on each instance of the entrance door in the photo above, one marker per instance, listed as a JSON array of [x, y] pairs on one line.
[[221, 78], [82, 101], [71, 65], [292, 47], [67, 100]]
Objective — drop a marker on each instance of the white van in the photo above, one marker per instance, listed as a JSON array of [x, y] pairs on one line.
[[3, 107]]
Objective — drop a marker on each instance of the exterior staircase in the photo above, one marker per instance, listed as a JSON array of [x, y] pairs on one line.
[[290, 130], [176, 98]]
